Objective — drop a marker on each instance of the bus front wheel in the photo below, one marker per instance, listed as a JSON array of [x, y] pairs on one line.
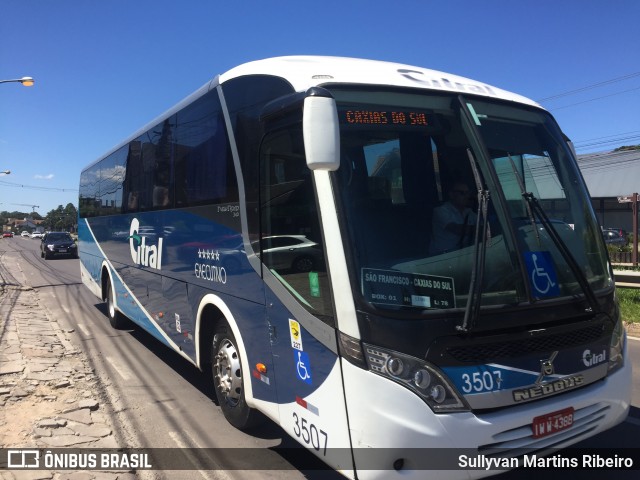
[[228, 380], [116, 319]]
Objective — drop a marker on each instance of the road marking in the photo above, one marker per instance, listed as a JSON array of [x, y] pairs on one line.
[[124, 372], [211, 474], [84, 330]]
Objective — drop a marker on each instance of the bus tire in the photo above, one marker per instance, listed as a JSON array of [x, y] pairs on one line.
[[226, 369], [303, 264], [116, 319]]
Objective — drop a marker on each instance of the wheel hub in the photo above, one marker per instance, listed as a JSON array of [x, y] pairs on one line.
[[229, 373]]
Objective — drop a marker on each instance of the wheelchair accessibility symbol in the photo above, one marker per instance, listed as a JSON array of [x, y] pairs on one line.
[[303, 367], [542, 274]]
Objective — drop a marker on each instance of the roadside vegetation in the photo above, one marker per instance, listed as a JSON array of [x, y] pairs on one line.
[[629, 300], [60, 219]]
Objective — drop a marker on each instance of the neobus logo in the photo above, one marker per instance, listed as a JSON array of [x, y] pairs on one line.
[[142, 253]]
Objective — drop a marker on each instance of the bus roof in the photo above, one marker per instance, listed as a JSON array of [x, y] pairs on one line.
[[308, 71], [305, 71]]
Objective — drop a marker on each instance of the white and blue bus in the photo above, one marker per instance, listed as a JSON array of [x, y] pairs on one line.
[[278, 228]]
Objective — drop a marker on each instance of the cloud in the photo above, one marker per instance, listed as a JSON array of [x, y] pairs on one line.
[[44, 177]]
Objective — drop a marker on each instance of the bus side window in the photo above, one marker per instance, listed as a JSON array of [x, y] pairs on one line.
[[203, 166], [133, 177], [90, 192], [291, 244]]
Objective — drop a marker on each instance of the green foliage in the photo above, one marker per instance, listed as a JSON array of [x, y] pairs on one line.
[[616, 248], [629, 300], [627, 147], [6, 215], [62, 218]]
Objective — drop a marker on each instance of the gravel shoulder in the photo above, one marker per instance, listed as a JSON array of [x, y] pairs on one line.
[[50, 397]]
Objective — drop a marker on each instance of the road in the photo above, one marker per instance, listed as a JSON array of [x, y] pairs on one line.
[[162, 401]]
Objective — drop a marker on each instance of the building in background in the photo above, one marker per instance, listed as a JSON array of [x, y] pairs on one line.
[[16, 225], [610, 175]]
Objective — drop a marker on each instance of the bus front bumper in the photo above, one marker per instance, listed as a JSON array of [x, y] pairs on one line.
[[394, 434]]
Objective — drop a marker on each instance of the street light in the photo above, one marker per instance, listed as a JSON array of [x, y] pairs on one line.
[[26, 81]]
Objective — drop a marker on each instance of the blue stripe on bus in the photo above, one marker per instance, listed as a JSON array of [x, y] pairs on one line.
[[200, 256]]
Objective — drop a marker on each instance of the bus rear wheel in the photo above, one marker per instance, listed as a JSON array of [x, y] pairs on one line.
[[228, 380]]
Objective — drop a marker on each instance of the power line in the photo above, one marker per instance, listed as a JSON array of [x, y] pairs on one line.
[[599, 141], [593, 99], [589, 87], [33, 187], [602, 141], [607, 136]]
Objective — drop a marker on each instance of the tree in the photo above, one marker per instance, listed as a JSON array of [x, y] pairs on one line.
[[62, 218], [5, 216], [625, 148]]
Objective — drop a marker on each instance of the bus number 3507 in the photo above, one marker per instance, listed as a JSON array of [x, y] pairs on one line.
[[481, 381], [310, 434]]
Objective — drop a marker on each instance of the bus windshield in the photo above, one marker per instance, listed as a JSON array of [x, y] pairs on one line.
[[411, 169]]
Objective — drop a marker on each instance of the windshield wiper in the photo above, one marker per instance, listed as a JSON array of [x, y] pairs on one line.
[[533, 206], [523, 190], [472, 309]]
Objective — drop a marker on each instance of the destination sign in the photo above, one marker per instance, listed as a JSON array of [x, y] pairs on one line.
[[390, 287], [361, 115]]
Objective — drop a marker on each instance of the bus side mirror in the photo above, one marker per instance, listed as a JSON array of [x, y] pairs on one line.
[[320, 130]]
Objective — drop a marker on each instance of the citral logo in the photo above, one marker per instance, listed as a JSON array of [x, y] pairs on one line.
[[147, 255], [592, 359]]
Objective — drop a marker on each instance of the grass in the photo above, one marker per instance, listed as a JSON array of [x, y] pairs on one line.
[[629, 299]]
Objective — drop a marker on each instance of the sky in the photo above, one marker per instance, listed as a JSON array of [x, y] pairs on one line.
[[103, 69]]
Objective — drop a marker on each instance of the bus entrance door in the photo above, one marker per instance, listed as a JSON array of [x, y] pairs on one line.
[[309, 379]]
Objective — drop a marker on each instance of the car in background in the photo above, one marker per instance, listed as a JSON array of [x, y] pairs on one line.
[[58, 243], [25, 234], [290, 252], [37, 235], [7, 235], [614, 236]]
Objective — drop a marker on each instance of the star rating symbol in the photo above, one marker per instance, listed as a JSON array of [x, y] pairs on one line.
[[209, 254]]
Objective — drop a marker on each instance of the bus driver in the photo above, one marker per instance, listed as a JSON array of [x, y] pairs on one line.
[[453, 221]]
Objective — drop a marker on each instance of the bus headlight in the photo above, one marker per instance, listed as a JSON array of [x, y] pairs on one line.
[[416, 375], [616, 348]]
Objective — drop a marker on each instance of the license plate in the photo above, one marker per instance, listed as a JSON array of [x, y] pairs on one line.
[[552, 422]]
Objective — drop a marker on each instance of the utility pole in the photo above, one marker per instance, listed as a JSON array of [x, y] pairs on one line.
[[634, 252]]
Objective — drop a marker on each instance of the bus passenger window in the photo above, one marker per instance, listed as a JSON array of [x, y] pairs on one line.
[[203, 166], [291, 244]]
